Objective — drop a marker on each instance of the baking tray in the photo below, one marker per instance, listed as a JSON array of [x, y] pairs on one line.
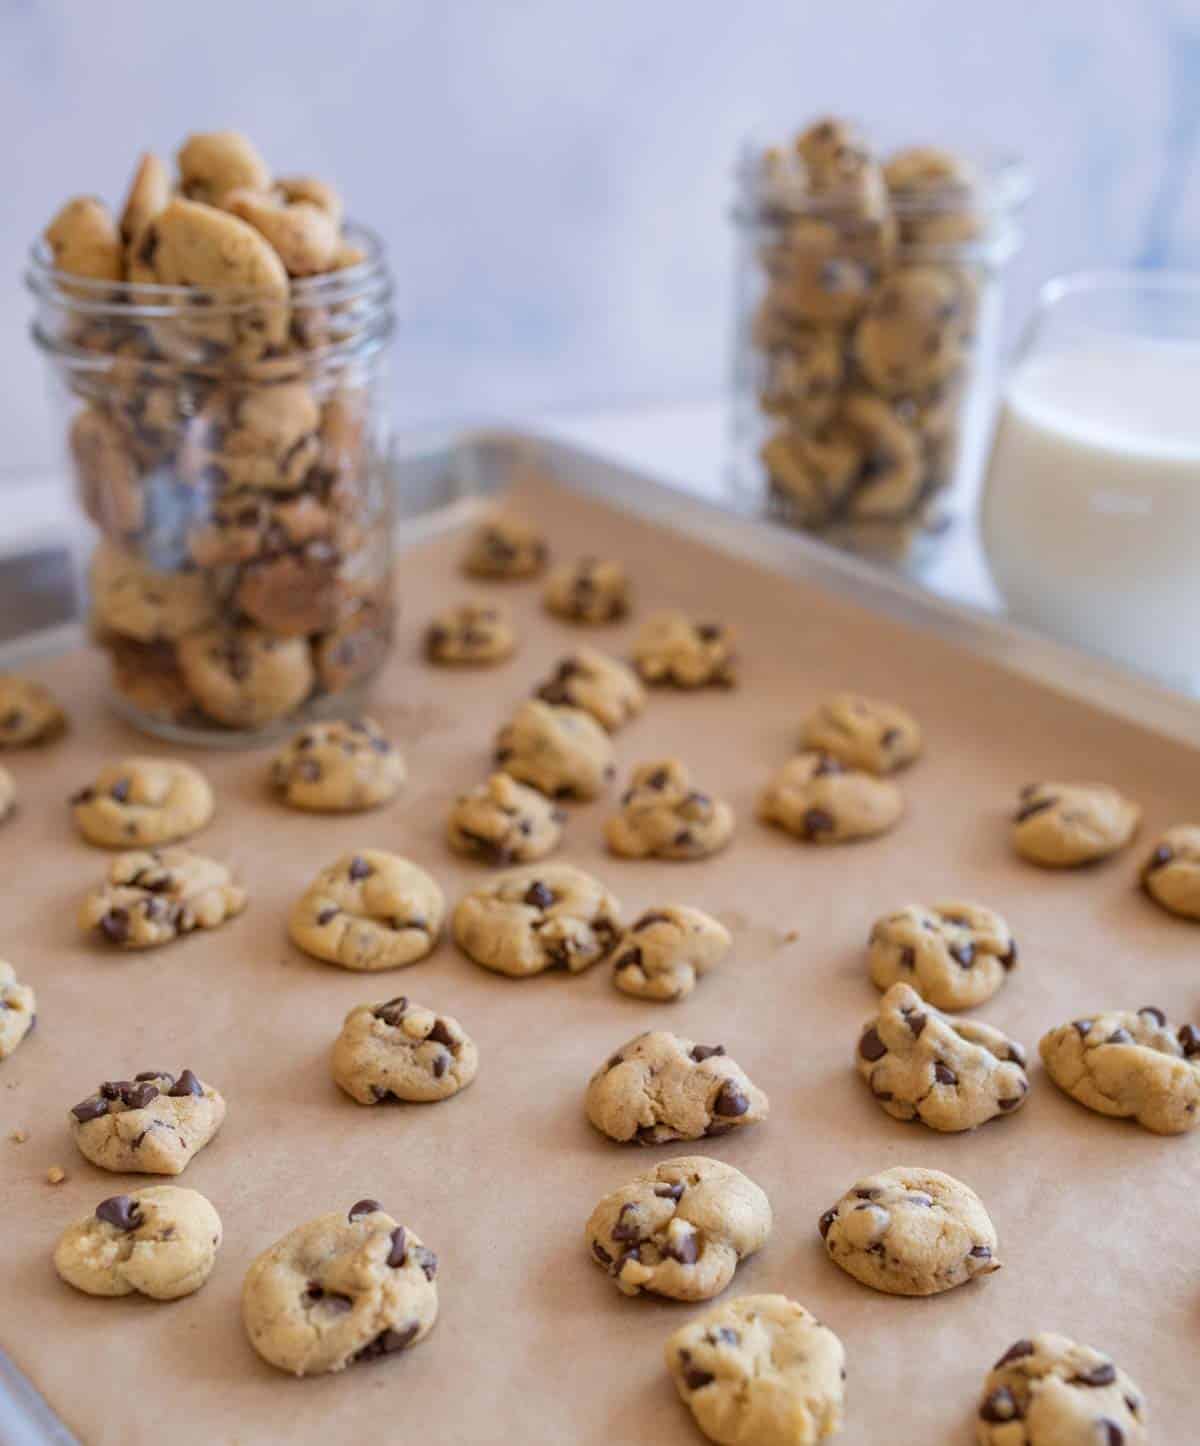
[[570, 1360]]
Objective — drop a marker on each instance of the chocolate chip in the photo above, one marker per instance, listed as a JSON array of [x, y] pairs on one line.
[[120, 790], [825, 1222], [670, 1192], [944, 1075], [1119, 1036], [121, 1211], [627, 1228], [730, 1101], [138, 1096], [701, 1052], [392, 1011], [331, 911], [1035, 805], [154, 1074], [1114, 1436], [398, 1253], [111, 1089], [388, 1342], [816, 821], [364, 1207], [441, 1034], [1155, 1014], [538, 896], [917, 1022], [980, 1252], [654, 917], [629, 960], [870, 1046], [1189, 1039], [919, 1198], [708, 632], [1159, 859], [908, 957], [441, 1063], [694, 1379], [963, 954], [359, 869], [426, 1259], [1016, 1352], [685, 1248], [828, 765], [186, 1084], [1009, 959], [1083, 1026], [658, 779], [683, 839], [1102, 1375], [1000, 1406], [85, 795], [115, 926], [601, 1254]]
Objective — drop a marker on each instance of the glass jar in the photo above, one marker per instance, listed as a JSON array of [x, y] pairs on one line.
[[229, 453], [866, 315]]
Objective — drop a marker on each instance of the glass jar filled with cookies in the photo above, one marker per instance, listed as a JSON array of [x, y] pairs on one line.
[[217, 354], [867, 305]]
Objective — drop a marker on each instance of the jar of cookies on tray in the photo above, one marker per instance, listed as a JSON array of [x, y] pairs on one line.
[[217, 355], [867, 296]]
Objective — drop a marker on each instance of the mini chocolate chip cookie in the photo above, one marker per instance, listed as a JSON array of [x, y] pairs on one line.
[[18, 1009], [304, 236], [341, 1289], [813, 278], [245, 677], [910, 337], [214, 163], [666, 951], [910, 1231], [588, 591], [144, 801], [955, 955], [470, 633], [802, 371], [151, 1125], [673, 650], [150, 898], [106, 471], [8, 794], [161, 1241], [663, 816], [949, 1074], [506, 547], [84, 240], [1051, 1389], [815, 473], [1131, 1066], [563, 752], [679, 1230], [503, 822], [149, 191], [1064, 825], [131, 598], [932, 193], [890, 479], [820, 801], [600, 685], [863, 733], [338, 767], [369, 910], [29, 713], [1171, 875], [399, 1050], [760, 1369], [661, 1087], [548, 916]]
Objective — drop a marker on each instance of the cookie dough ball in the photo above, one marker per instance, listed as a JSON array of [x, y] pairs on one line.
[[588, 591], [152, 897], [910, 337], [504, 548], [563, 752], [1130, 1066], [949, 1074], [399, 1050], [819, 801], [955, 955], [338, 767], [1052, 1390], [910, 1231], [29, 712], [549, 916], [470, 633], [863, 733], [679, 1230], [341, 1289], [18, 1009], [161, 1242], [1171, 875], [503, 822], [152, 1124], [213, 164], [760, 1369], [244, 677], [666, 951], [661, 1087], [598, 684], [144, 801], [663, 816], [84, 241], [1063, 825], [8, 794], [369, 910], [673, 650]]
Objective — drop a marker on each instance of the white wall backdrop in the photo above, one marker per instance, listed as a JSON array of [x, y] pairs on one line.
[[552, 176]]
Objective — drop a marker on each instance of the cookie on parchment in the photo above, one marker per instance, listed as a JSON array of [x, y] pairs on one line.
[[18, 1009], [600, 685], [504, 822], [152, 897], [819, 800], [470, 634], [563, 752], [591, 590], [506, 547], [368, 910], [666, 951], [143, 801], [399, 1050], [152, 1124], [29, 712], [672, 650], [863, 733], [1063, 825], [1171, 875], [662, 816], [338, 767], [955, 955], [161, 1241]]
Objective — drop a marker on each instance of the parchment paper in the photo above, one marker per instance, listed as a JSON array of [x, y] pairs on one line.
[[535, 1345]]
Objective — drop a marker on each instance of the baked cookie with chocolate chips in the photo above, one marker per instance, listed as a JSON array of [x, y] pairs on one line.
[[819, 800], [161, 1241], [600, 685], [1171, 875], [152, 897], [664, 817], [588, 591], [398, 1050], [341, 1289], [812, 278], [955, 955], [369, 910], [802, 370], [549, 916], [145, 801], [1064, 825], [679, 1230], [504, 548], [661, 1087], [108, 480], [18, 1009], [149, 191], [666, 951], [131, 598], [29, 712], [863, 733], [84, 240], [1051, 1390], [1130, 1066], [470, 633], [343, 766], [503, 822], [911, 1231], [910, 337], [672, 650], [563, 752], [8, 794], [815, 474], [890, 479], [760, 1369], [932, 194], [245, 677], [213, 163], [949, 1074], [305, 236], [150, 1125]]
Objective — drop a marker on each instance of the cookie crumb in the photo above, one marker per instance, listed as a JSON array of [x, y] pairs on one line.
[[18, 1136], [790, 936], [55, 1175]]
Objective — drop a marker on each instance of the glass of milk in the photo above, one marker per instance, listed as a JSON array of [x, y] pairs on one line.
[[1091, 510]]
